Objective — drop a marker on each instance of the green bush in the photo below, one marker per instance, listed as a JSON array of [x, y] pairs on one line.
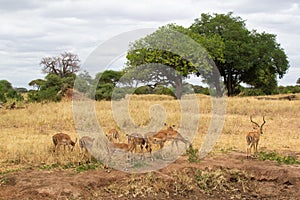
[[13, 94], [160, 89], [251, 92], [104, 91], [200, 89], [143, 90], [289, 160]]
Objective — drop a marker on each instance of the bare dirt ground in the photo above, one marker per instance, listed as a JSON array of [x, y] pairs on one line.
[[226, 176]]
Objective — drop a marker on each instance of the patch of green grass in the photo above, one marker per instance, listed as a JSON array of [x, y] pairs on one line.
[[289, 160], [85, 167], [4, 180], [192, 154], [48, 167], [70, 165]]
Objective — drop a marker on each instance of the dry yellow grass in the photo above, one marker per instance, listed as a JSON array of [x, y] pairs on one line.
[[26, 134]]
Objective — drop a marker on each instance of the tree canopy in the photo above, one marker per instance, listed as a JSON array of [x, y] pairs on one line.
[[249, 57], [171, 54]]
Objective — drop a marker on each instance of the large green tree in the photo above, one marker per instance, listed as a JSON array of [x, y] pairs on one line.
[[171, 54], [249, 57]]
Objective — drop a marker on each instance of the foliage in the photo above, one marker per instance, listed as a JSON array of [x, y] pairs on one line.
[[13, 94], [8, 92], [108, 76], [21, 90], [280, 159], [193, 154], [105, 83], [250, 92], [64, 65], [51, 89], [298, 81], [289, 89], [200, 89], [249, 57], [171, 54], [104, 91]]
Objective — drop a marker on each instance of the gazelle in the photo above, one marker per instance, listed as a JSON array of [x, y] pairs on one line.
[[113, 147], [175, 136], [253, 136], [113, 135], [136, 139], [85, 144], [63, 139], [162, 136]]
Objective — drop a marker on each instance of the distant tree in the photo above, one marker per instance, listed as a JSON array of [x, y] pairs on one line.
[[106, 84], [21, 90], [8, 92], [37, 83], [83, 82], [53, 88], [5, 86], [109, 76], [63, 66], [298, 81]]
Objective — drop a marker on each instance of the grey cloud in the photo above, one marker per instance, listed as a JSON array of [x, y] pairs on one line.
[[16, 5]]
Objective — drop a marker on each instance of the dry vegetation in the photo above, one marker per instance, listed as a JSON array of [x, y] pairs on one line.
[[26, 134], [29, 169]]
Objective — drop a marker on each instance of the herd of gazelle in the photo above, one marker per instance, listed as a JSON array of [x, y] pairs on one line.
[[148, 140], [145, 142]]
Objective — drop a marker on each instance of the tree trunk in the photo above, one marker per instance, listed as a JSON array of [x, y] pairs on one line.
[[229, 84], [179, 87]]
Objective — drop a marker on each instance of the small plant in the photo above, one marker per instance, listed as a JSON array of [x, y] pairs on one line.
[[192, 154], [289, 160]]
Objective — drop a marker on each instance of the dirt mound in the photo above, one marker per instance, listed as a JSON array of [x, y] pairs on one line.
[[226, 176]]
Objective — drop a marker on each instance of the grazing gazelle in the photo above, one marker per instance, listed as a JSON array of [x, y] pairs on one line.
[[135, 139], [114, 147], [85, 144], [175, 136], [63, 139], [253, 136], [162, 136]]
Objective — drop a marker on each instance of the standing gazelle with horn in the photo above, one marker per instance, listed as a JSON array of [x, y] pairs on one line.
[[253, 136]]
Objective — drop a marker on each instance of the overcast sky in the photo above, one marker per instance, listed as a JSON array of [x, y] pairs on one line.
[[32, 29]]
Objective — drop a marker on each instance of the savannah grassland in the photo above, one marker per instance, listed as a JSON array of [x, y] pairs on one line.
[[26, 134]]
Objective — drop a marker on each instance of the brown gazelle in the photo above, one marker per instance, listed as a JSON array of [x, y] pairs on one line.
[[113, 135], [113, 147], [135, 139], [253, 136], [63, 139], [162, 136]]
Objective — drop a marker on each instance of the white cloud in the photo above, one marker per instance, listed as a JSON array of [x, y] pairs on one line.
[[32, 29]]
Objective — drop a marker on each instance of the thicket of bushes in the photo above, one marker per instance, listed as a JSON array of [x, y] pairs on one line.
[[54, 87]]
